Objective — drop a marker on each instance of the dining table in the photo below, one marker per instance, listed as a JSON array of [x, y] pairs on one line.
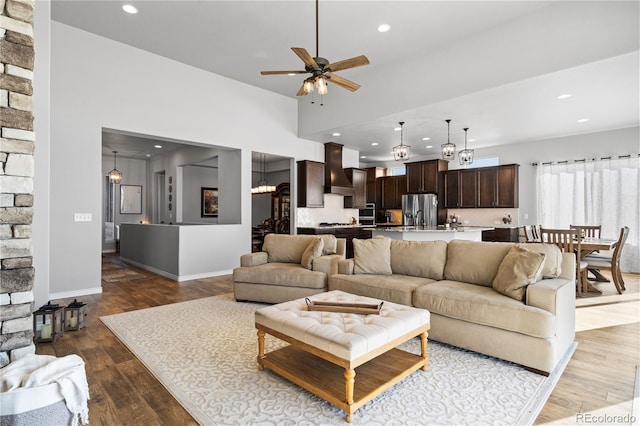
[[589, 245]]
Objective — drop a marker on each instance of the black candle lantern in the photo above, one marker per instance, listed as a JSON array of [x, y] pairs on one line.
[[75, 315], [48, 323]]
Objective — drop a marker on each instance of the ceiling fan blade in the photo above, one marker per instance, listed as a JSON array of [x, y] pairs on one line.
[[342, 82], [301, 92], [356, 61], [305, 56], [282, 72]]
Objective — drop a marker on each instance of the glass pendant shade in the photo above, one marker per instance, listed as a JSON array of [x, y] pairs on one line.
[[402, 151], [321, 84], [307, 87], [448, 149], [466, 155], [114, 175]]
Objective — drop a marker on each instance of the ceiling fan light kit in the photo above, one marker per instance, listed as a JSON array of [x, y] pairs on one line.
[[321, 70]]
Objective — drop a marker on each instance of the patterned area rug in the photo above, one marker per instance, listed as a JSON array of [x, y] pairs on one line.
[[203, 351]]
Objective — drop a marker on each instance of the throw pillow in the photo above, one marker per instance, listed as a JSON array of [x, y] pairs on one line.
[[553, 260], [518, 269], [330, 244], [313, 250], [372, 256]]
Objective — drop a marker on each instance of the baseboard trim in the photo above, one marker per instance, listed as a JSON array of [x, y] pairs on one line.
[[174, 277], [75, 293]]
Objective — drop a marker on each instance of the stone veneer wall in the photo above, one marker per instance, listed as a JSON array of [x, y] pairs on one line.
[[16, 179]]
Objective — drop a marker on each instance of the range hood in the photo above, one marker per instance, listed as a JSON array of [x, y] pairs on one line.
[[335, 180]]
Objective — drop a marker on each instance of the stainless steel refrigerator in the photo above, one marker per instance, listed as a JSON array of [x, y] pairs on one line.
[[420, 210]]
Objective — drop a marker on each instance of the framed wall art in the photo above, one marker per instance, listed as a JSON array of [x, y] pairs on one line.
[[209, 202], [130, 199]]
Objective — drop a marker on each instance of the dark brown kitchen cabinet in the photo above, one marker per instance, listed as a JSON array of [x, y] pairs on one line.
[[424, 176], [391, 189], [460, 188], [310, 184], [498, 186], [358, 178], [501, 235], [372, 174]]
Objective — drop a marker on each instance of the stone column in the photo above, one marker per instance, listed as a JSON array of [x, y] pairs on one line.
[[17, 141]]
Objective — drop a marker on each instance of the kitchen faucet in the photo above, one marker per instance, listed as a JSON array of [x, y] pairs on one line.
[[417, 223]]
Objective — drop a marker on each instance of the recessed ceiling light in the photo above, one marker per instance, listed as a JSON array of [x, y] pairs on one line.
[[157, 146], [129, 8], [583, 120], [383, 28], [426, 139], [148, 155], [397, 129], [363, 156], [472, 140], [335, 134], [564, 96], [374, 143], [429, 146], [291, 73]]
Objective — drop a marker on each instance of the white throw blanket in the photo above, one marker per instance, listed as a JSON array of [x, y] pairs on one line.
[[39, 370]]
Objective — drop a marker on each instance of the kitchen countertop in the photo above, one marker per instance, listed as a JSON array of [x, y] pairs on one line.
[[434, 229]]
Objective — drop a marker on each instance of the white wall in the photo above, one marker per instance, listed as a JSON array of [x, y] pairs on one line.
[[42, 123], [98, 83]]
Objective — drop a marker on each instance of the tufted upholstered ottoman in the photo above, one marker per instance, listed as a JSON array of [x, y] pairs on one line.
[[326, 347]]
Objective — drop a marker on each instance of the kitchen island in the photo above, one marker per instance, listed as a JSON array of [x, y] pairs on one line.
[[348, 232], [429, 233]]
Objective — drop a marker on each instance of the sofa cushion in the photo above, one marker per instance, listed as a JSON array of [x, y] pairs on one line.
[[424, 259], [519, 268], [553, 258], [313, 250], [485, 306], [393, 288], [330, 244], [286, 248], [372, 256], [474, 262], [281, 274]]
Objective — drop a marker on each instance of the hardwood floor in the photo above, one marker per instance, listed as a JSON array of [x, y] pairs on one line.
[[599, 378]]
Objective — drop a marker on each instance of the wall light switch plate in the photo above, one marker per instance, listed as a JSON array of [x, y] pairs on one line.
[[526, 216], [82, 217]]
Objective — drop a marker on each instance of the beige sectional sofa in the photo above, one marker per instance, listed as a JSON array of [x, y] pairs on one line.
[[484, 296], [289, 267]]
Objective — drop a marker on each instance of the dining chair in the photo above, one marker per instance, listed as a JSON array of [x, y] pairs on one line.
[[590, 231], [532, 233], [569, 241], [611, 263]]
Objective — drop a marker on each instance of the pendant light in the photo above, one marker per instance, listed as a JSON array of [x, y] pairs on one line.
[[262, 187], [114, 175], [448, 149], [466, 155], [402, 151]]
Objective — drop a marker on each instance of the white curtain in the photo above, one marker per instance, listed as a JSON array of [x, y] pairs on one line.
[[603, 192]]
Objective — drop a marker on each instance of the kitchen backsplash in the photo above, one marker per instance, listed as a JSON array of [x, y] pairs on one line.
[[332, 212], [486, 217]]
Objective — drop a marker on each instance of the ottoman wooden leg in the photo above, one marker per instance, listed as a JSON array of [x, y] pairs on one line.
[[349, 381], [260, 349], [423, 350]]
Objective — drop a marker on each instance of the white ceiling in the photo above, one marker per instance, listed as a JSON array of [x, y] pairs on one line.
[[238, 39]]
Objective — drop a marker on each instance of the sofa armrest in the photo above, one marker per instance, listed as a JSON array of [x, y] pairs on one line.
[[254, 259], [341, 247], [547, 294], [327, 264], [568, 268], [345, 266]]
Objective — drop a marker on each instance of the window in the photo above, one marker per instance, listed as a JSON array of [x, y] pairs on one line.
[[485, 162], [397, 171]]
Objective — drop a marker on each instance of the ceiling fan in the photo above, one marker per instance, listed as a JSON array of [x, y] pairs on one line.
[[321, 70]]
